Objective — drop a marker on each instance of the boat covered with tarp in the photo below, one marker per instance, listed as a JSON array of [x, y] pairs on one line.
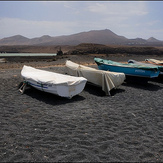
[[105, 79], [147, 64], [154, 61], [55, 83]]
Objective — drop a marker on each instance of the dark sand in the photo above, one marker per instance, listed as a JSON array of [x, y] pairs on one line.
[[90, 127]]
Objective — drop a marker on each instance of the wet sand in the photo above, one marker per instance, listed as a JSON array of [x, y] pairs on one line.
[[90, 127]]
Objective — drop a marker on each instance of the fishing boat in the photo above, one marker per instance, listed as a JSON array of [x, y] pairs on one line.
[[150, 63], [154, 61], [105, 79], [51, 82], [129, 69]]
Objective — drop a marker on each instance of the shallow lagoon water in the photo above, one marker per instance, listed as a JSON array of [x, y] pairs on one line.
[[26, 54]]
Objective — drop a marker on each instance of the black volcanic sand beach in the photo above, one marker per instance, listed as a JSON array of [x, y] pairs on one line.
[[90, 127]]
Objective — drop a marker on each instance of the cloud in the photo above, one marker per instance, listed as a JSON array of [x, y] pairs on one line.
[[119, 8], [128, 18], [154, 22], [14, 26]]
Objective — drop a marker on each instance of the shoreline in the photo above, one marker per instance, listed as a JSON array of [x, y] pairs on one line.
[[86, 59]]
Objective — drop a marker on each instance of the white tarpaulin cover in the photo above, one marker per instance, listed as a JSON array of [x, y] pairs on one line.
[[53, 82], [106, 79]]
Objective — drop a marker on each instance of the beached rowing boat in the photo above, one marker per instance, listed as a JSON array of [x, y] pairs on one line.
[[55, 83], [148, 64], [129, 69], [154, 61], [105, 79]]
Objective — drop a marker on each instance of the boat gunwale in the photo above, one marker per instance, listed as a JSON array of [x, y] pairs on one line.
[[130, 66]]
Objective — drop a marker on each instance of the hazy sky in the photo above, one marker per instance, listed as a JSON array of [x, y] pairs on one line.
[[131, 19]]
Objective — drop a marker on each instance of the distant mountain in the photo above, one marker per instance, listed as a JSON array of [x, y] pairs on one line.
[[106, 37], [152, 39], [136, 41], [94, 36], [14, 40]]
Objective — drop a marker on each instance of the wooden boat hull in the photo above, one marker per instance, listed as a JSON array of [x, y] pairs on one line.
[[128, 70], [105, 79], [147, 64], [50, 82], [155, 62]]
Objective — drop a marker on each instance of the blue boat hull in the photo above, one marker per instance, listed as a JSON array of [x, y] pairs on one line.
[[129, 70]]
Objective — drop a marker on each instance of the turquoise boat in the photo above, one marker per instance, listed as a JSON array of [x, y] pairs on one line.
[[129, 69]]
